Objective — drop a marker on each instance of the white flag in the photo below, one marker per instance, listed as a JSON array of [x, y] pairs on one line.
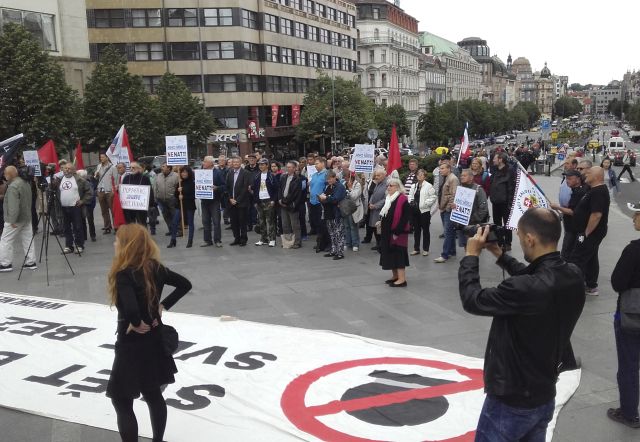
[[527, 196]]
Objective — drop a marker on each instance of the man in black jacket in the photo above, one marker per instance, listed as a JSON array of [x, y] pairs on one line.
[[534, 313], [501, 190], [289, 199], [137, 178], [239, 182]]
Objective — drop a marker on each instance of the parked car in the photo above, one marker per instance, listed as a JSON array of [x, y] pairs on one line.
[[501, 139], [155, 161], [615, 133]]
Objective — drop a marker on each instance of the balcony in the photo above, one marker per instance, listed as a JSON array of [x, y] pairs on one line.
[[388, 41]]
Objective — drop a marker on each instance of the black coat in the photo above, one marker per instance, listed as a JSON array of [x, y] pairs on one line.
[[140, 179], [534, 313], [188, 194], [502, 186], [242, 195], [293, 200]]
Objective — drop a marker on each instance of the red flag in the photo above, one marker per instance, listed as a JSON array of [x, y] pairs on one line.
[[78, 161], [295, 114], [118, 213], [394, 162], [274, 115], [48, 155]]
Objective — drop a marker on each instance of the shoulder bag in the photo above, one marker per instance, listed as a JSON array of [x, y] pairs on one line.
[[630, 310], [169, 339], [347, 206]]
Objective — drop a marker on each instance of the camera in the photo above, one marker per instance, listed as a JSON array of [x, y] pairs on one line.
[[496, 233]]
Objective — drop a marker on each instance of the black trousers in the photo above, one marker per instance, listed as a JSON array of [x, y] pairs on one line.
[[626, 168], [568, 244], [239, 217], [585, 256], [501, 218], [315, 217], [72, 221], [135, 217], [421, 223], [302, 213], [127, 422]]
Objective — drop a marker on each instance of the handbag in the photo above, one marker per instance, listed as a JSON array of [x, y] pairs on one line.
[[347, 206], [169, 339], [630, 310]]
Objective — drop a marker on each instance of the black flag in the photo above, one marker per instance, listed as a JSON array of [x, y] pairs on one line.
[[8, 150]]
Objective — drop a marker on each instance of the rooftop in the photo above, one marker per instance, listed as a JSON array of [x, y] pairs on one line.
[[439, 44]]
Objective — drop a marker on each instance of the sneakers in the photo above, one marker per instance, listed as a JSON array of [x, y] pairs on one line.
[[356, 248], [440, 260], [7, 268], [67, 250], [261, 243], [615, 414], [425, 253], [80, 249], [591, 291], [414, 253], [219, 245], [272, 243], [30, 266]]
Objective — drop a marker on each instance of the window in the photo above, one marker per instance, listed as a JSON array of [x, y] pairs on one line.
[[313, 60], [384, 102], [383, 56], [182, 17], [345, 41], [301, 58], [301, 30], [272, 53], [184, 51], [376, 33], [109, 18], [148, 51], [250, 51], [287, 84], [335, 62], [372, 56], [351, 20], [312, 33], [218, 17], [226, 117], [96, 55], [309, 6], [146, 18], [286, 26], [249, 19], [273, 83], [341, 17], [295, 4], [321, 10], [270, 23], [335, 39], [324, 36], [252, 83], [376, 13], [286, 55], [220, 50], [325, 61], [384, 80], [372, 80], [193, 82], [40, 26], [359, 57], [151, 83], [301, 85], [331, 14], [221, 83]]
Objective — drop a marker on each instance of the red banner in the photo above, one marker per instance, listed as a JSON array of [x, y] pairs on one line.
[[295, 114], [274, 114]]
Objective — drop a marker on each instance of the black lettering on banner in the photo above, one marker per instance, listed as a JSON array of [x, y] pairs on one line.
[[100, 387], [215, 353], [13, 320], [7, 357], [30, 330], [196, 401], [249, 361], [67, 332], [55, 379]]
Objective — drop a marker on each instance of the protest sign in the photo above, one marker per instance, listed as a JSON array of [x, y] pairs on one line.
[[31, 159], [177, 152], [204, 184], [311, 171], [363, 159], [464, 203], [134, 197]]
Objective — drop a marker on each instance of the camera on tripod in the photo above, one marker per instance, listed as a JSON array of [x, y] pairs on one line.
[[496, 233]]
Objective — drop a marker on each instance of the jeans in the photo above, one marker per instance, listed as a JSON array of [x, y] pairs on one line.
[[177, 221], [628, 349], [449, 244], [421, 223], [585, 256], [267, 219], [501, 423], [336, 234], [352, 234], [211, 215], [72, 220], [291, 224], [501, 217]]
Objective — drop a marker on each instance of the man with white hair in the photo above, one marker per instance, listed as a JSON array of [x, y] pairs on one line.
[[75, 192], [136, 177], [211, 208]]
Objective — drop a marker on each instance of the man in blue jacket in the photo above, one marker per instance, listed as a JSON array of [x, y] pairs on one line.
[[317, 184], [265, 196], [211, 208]]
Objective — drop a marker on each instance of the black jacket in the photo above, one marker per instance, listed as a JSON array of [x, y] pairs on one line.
[[626, 274], [293, 199], [502, 186], [243, 183], [188, 194], [272, 187], [534, 313]]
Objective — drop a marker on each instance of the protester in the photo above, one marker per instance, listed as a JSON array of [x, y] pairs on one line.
[[265, 196], [152, 213], [164, 191], [317, 184], [564, 194], [591, 217], [479, 210], [304, 198], [534, 313], [422, 198], [480, 176], [289, 200], [446, 196], [333, 193], [105, 174], [87, 210], [186, 195], [140, 365], [573, 180], [354, 184], [626, 165], [16, 206], [211, 209], [337, 166], [377, 194], [411, 177], [394, 233], [75, 193], [610, 178], [239, 182], [626, 276], [252, 167], [222, 165], [136, 177], [501, 191]]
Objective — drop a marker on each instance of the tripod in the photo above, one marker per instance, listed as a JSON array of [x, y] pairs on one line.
[[46, 232]]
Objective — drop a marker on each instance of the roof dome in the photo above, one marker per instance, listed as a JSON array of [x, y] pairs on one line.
[[545, 72]]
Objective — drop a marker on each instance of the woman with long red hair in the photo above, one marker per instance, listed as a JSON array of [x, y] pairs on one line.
[[135, 283]]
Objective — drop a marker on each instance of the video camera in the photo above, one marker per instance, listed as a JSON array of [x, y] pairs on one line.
[[497, 233]]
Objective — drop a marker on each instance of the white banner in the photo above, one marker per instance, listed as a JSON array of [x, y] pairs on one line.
[[244, 381], [176, 147], [204, 184], [527, 195], [464, 204], [363, 159], [311, 171], [31, 159], [134, 196]]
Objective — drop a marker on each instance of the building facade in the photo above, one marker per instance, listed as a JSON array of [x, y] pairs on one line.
[[60, 26], [251, 61], [561, 85], [432, 84], [525, 84], [545, 91], [463, 79], [388, 57], [631, 87], [603, 96]]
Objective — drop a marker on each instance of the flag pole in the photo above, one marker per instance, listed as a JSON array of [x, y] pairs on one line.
[[521, 167]]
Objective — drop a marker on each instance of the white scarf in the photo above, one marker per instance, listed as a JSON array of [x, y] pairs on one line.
[[387, 203]]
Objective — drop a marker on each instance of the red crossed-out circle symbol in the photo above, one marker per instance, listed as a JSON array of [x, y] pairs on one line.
[[306, 417]]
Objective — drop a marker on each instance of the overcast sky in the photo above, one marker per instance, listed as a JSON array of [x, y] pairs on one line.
[[590, 44]]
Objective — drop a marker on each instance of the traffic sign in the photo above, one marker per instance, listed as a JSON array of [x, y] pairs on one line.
[[545, 124]]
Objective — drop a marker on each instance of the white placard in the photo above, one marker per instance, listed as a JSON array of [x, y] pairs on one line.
[[363, 159], [464, 204], [204, 184], [134, 196], [177, 152], [311, 171], [31, 159]]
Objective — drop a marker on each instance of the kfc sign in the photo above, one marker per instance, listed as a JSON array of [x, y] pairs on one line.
[[233, 138]]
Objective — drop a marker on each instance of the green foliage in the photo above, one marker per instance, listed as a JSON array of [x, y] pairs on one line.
[[616, 107], [531, 110], [34, 97], [386, 116], [633, 116], [567, 106], [432, 126], [181, 113], [114, 97], [354, 112]]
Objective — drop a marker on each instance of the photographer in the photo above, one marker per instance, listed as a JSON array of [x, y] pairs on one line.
[[534, 313]]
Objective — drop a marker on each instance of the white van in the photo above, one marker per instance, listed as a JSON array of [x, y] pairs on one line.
[[616, 143]]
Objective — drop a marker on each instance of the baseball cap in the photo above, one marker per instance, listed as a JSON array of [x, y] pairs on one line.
[[572, 172], [263, 161]]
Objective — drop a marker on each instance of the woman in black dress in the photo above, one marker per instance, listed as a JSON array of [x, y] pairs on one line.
[[186, 193], [136, 280], [394, 226]]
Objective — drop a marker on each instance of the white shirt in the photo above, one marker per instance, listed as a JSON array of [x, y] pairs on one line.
[[264, 193], [69, 194]]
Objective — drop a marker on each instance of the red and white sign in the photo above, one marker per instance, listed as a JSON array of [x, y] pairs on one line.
[[274, 114]]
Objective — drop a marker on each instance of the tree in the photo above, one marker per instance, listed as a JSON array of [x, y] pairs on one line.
[[354, 113], [386, 117], [567, 106], [181, 113], [532, 111], [114, 97], [617, 107], [432, 126], [34, 96]]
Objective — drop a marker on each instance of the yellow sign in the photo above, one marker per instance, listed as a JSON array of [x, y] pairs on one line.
[[554, 135]]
